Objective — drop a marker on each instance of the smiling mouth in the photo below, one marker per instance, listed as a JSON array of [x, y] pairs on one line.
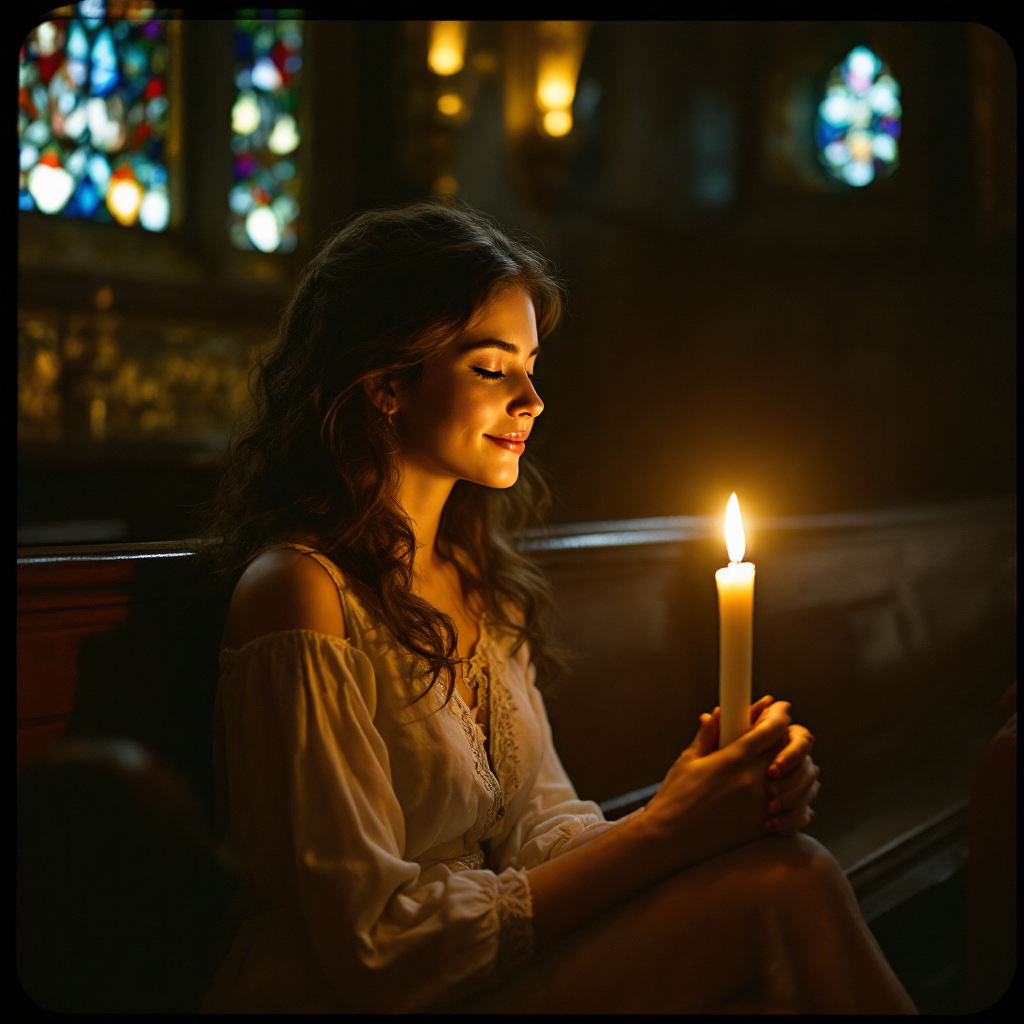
[[510, 442]]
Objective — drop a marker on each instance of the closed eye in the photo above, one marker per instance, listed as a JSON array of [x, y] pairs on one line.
[[488, 374]]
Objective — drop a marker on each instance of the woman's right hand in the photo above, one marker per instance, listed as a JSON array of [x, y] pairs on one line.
[[713, 800]]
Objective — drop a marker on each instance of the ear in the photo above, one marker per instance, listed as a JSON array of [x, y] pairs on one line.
[[382, 393]]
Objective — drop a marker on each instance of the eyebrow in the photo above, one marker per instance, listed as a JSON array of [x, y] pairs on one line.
[[505, 346]]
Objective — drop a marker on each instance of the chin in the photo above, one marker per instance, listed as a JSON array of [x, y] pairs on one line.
[[497, 479]]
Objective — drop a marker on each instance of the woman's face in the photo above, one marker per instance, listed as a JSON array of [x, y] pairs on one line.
[[470, 414]]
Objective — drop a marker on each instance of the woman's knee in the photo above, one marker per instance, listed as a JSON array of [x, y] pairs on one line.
[[797, 866]]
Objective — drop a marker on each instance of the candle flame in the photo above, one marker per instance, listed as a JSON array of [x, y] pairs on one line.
[[735, 541]]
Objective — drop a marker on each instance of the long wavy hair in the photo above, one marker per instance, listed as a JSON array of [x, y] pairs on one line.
[[317, 458]]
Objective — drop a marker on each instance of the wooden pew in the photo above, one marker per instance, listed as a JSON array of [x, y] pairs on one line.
[[893, 635]]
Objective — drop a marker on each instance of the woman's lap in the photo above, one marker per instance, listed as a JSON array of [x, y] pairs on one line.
[[690, 944]]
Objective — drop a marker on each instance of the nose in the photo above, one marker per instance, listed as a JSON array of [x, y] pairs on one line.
[[527, 402]]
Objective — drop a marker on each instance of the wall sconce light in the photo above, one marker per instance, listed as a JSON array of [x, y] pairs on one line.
[[447, 52], [562, 44]]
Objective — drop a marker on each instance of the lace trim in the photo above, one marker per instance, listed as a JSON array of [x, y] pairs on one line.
[[479, 668], [503, 744], [482, 765], [515, 921]]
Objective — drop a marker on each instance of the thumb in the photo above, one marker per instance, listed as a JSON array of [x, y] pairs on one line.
[[706, 739]]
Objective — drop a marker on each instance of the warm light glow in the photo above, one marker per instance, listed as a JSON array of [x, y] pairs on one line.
[[558, 122], [561, 50], [124, 197], [449, 104], [446, 185], [735, 541], [447, 51], [556, 91]]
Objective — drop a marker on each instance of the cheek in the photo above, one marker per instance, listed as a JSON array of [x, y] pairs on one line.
[[451, 413]]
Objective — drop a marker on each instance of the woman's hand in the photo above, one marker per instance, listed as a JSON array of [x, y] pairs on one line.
[[792, 781], [792, 784], [714, 800]]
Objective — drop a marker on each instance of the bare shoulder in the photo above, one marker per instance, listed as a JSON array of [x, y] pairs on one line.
[[280, 590]]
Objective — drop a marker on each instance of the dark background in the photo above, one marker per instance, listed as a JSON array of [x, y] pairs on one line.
[[736, 321]]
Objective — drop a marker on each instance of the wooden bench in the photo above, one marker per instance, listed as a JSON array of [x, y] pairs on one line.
[[893, 635]]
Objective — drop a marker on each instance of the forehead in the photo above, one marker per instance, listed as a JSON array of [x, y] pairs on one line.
[[508, 315]]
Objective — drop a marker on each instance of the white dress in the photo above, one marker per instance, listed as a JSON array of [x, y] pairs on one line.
[[382, 845]]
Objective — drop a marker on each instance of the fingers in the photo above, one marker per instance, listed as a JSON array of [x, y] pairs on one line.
[[757, 709], [790, 823], [706, 739], [800, 744], [790, 811], [769, 730], [802, 786], [708, 735]]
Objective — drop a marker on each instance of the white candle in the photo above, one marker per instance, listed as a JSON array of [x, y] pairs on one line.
[[735, 630]]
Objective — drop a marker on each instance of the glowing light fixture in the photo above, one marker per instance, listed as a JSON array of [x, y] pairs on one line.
[[447, 52], [557, 123], [561, 53], [449, 104]]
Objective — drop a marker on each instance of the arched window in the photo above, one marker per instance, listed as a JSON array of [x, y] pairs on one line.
[[264, 200], [859, 120], [94, 115]]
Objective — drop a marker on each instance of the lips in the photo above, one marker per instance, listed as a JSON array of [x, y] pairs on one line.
[[510, 442]]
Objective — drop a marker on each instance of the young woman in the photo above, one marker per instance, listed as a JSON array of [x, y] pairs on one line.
[[406, 833]]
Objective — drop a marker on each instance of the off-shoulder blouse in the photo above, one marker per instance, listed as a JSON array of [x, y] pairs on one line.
[[382, 846]]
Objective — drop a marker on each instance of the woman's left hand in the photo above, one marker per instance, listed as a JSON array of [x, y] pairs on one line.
[[792, 784]]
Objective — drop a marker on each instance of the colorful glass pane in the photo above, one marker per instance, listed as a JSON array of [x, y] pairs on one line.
[[859, 120], [265, 138], [93, 115]]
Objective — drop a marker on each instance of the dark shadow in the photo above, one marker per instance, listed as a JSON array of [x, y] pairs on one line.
[[155, 679]]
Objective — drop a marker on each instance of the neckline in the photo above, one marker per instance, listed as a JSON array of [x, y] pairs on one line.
[[476, 655]]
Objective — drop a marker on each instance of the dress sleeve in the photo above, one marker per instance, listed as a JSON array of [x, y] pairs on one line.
[[554, 818], [317, 824]]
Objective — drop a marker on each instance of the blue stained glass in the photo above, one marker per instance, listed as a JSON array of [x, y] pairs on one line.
[[104, 64], [827, 133], [858, 120], [93, 115], [263, 203], [78, 41], [87, 197]]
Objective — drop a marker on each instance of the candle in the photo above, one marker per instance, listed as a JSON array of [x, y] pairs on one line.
[[735, 630]]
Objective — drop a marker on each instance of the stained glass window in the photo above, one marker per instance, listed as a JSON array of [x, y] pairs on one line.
[[264, 200], [93, 115], [859, 120]]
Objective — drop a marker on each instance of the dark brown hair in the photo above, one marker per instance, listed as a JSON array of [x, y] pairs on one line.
[[317, 456]]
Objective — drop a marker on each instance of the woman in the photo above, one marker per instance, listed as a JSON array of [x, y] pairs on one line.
[[407, 835]]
